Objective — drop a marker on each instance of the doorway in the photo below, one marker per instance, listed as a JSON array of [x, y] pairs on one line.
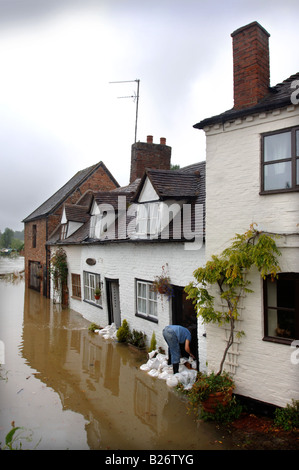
[[183, 314], [113, 301], [35, 275]]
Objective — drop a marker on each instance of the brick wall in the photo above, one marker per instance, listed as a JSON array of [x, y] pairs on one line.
[[98, 181], [251, 65], [37, 252], [149, 155]]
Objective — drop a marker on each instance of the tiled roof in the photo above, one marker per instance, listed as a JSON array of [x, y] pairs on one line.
[[111, 197], [188, 182], [279, 96], [76, 213], [174, 184], [64, 192]]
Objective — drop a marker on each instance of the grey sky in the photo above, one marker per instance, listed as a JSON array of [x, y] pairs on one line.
[[58, 112]]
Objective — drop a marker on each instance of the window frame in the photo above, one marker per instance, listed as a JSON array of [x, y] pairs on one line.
[[146, 315], [63, 231], [294, 159], [88, 288], [76, 286], [34, 235], [281, 339], [148, 220]]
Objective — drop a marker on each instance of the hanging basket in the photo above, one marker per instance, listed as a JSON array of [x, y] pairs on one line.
[[162, 284]]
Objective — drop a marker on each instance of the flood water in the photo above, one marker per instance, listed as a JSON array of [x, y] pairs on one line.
[[72, 389]]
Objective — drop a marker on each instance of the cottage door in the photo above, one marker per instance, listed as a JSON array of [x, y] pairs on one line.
[[34, 275], [113, 301], [183, 314]]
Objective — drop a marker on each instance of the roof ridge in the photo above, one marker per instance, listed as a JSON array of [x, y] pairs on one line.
[[85, 173]]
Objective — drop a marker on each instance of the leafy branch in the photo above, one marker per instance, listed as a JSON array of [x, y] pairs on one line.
[[227, 272], [58, 269]]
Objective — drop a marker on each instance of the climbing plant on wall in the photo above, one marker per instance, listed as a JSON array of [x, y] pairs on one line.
[[59, 270], [227, 272]]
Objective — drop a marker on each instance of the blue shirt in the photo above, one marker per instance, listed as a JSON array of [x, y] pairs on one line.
[[181, 332]]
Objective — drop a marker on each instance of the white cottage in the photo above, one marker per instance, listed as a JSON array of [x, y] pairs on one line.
[[121, 240], [252, 176]]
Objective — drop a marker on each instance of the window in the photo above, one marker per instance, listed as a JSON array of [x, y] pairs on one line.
[[76, 286], [91, 281], [34, 231], [146, 300], [280, 161], [148, 219], [281, 306], [63, 231], [93, 222]]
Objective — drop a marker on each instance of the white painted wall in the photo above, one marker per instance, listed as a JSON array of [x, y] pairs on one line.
[[126, 262], [264, 370]]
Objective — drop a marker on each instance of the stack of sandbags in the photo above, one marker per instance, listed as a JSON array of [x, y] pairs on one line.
[[157, 366], [109, 332]]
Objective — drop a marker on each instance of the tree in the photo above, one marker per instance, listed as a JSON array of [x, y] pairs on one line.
[[227, 272], [7, 237]]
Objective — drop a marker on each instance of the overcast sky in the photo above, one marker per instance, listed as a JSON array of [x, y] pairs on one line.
[[58, 112]]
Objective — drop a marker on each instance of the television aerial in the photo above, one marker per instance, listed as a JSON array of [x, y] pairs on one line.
[[135, 98]]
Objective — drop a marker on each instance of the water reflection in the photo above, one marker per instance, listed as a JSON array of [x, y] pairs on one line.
[[122, 406]]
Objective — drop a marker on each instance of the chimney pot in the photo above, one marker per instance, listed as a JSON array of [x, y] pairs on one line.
[[149, 139], [162, 141]]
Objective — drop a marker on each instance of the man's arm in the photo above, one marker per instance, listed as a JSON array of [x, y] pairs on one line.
[[187, 348]]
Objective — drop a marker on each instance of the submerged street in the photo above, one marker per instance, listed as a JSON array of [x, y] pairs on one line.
[[72, 389]]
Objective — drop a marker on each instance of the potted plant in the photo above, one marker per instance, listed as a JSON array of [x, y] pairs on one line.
[[210, 391], [97, 293], [162, 284]]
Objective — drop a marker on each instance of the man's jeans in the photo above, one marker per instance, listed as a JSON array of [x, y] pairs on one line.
[[173, 344]]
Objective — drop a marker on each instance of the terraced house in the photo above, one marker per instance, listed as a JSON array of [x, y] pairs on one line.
[[40, 224], [123, 239], [252, 176]]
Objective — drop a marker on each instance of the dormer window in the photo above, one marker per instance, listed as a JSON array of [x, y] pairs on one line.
[[148, 219], [95, 222], [63, 231]]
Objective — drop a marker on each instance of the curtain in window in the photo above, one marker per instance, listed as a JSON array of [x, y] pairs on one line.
[[277, 147]]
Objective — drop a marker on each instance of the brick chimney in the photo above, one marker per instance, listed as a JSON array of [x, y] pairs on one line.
[[251, 65], [149, 155]]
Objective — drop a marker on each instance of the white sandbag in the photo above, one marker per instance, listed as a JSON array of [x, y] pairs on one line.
[[153, 373], [167, 369], [152, 353], [145, 367], [155, 363], [172, 381], [161, 357], [164, 375], [108, 332]]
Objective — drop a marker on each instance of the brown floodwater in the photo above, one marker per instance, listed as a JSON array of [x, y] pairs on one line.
[[72, 389]]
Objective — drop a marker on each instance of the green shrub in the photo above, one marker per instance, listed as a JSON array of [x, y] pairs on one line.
[[137, 338], [288, 418], [93, 326], [153, 344], [123, 332]]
